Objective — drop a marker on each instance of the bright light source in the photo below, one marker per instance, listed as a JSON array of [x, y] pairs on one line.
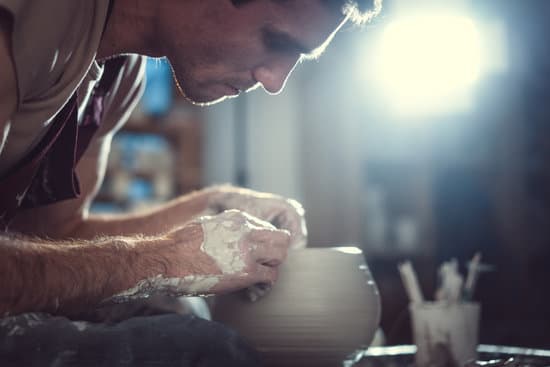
[[427, 63]]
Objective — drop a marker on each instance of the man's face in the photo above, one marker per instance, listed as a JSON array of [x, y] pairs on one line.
[[220, 49]]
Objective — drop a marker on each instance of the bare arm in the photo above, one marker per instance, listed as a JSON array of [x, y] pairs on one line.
[[159, 220], [72, 277], [38, 275]]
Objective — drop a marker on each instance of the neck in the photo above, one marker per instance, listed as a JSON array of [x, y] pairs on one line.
[[129, 29]]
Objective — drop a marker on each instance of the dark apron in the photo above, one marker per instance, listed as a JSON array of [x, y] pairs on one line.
[[47, 174]]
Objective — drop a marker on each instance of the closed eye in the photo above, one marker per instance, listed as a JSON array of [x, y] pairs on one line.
[[280, 42]]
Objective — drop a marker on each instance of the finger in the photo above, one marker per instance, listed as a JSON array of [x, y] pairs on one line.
[[296, 226], [236, 282], [271, 237], [257, 222], [265, 275], [269, 247], [297, 207], [291, 218], [298, 242], [257, 291]]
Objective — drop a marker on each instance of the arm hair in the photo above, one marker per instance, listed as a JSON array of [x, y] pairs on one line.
[[71, 276]]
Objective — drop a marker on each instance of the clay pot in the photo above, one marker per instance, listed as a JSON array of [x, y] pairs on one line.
[[324, 307]]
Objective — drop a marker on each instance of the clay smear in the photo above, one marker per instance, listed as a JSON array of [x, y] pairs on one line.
[[189, 285], [223, 234], [221, 243]]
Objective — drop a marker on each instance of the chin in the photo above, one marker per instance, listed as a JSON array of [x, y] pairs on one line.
[[205, 100], [209, 102], [206, 93]]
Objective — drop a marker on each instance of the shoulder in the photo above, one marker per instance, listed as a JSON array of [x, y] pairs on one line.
[[52, 57]]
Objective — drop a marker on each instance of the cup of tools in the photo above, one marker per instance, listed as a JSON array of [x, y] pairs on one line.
[[445, 331]]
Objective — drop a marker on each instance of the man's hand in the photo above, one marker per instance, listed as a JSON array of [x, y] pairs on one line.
[[281, 212], [240, 250], [237, 251]]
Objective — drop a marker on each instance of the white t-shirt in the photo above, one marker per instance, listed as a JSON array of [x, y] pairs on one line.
[[54, 45]]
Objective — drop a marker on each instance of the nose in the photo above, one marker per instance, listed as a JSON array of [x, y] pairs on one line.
[[273, 76]]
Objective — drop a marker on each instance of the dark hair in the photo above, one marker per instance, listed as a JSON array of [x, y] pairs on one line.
[[359, 11]]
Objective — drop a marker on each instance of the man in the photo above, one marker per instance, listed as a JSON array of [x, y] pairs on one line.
[[64, 92]]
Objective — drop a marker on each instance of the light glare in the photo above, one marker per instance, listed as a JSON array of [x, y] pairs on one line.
[[425, 61]]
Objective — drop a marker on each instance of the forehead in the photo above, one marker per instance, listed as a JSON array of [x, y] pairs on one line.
[[309, 21]]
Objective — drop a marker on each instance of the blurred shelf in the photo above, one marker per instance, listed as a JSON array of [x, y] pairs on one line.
[[153, 160]]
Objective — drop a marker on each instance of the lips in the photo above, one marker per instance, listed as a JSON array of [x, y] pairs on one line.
[[244, 86], [232, 91]]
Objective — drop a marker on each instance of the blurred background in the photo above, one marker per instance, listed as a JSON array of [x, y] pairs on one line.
[[422, 136]]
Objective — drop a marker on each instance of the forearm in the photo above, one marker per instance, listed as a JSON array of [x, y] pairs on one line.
[[156, 221], [69, 277]]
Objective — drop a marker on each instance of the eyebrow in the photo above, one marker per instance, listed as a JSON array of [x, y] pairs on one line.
[[281, 41]]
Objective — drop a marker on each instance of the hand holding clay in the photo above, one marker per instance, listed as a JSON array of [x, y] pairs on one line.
[[281, 212], [235, 251], [244, 249]]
